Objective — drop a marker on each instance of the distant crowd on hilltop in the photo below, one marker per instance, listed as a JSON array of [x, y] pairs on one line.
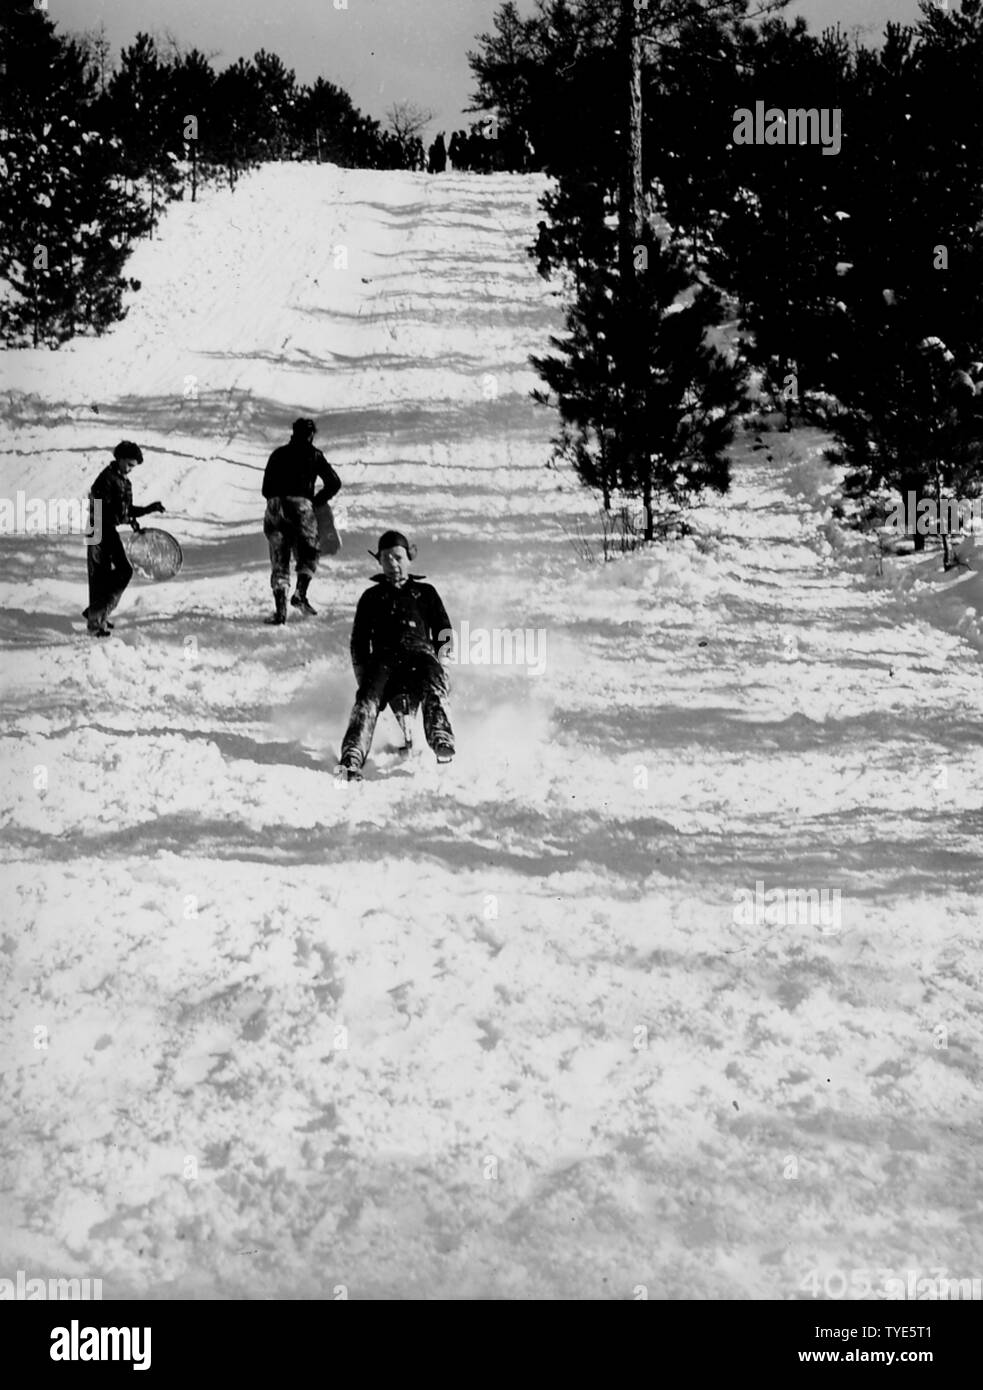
[[480, 150], [484, 149]]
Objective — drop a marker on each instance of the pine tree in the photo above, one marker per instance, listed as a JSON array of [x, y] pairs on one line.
[[145, 119], [506, 69], [674, 448], [914, 424], [277, 86], [193, 81], [910, 322], [239, 120], [647, 404], [776, 242], [63, 217], [324, 122]]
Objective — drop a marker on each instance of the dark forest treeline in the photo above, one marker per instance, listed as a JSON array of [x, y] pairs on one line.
[[91, 153], [856, 274]]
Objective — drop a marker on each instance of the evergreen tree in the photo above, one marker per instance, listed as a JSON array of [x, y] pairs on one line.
[[915, 425], [326, 124], [647, 405], [145, 119], [97, 49], [673, 448], [910, 322], [64, 219], [240, 120], [194, 105], [277, 87], [507, 71], [777, 244]]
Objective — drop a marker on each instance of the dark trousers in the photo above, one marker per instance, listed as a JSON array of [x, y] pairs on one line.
[[418, 676], [290, 527], [109, 573]]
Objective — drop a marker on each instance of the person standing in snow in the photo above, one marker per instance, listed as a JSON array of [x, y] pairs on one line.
[[290, 525], [111, 506], [438, 155], [400, 627]]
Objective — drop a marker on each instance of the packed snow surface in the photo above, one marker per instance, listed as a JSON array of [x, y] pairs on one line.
[[501, 1030]]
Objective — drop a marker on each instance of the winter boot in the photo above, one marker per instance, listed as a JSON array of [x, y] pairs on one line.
[[98, 627], [443, 750], [280, 616], [351, 766], [299, 599]]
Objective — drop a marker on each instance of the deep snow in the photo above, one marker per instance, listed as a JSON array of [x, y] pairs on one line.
[[492, 1031]]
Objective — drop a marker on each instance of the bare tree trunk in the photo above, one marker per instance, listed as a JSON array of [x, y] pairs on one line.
[[631, 230], [943, 524], [911, 486], [787, 399], [72, 297], [632, 219]]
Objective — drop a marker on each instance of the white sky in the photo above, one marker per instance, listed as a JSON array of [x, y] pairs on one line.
[[380, 51]]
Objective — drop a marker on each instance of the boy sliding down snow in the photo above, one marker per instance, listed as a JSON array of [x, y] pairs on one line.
[[399, 626]]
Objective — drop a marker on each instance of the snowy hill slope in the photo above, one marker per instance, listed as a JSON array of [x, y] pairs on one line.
[[498, 1031]]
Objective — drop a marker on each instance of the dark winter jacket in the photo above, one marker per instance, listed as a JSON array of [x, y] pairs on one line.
[[389, 621], [294, 469], [114, 490]]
